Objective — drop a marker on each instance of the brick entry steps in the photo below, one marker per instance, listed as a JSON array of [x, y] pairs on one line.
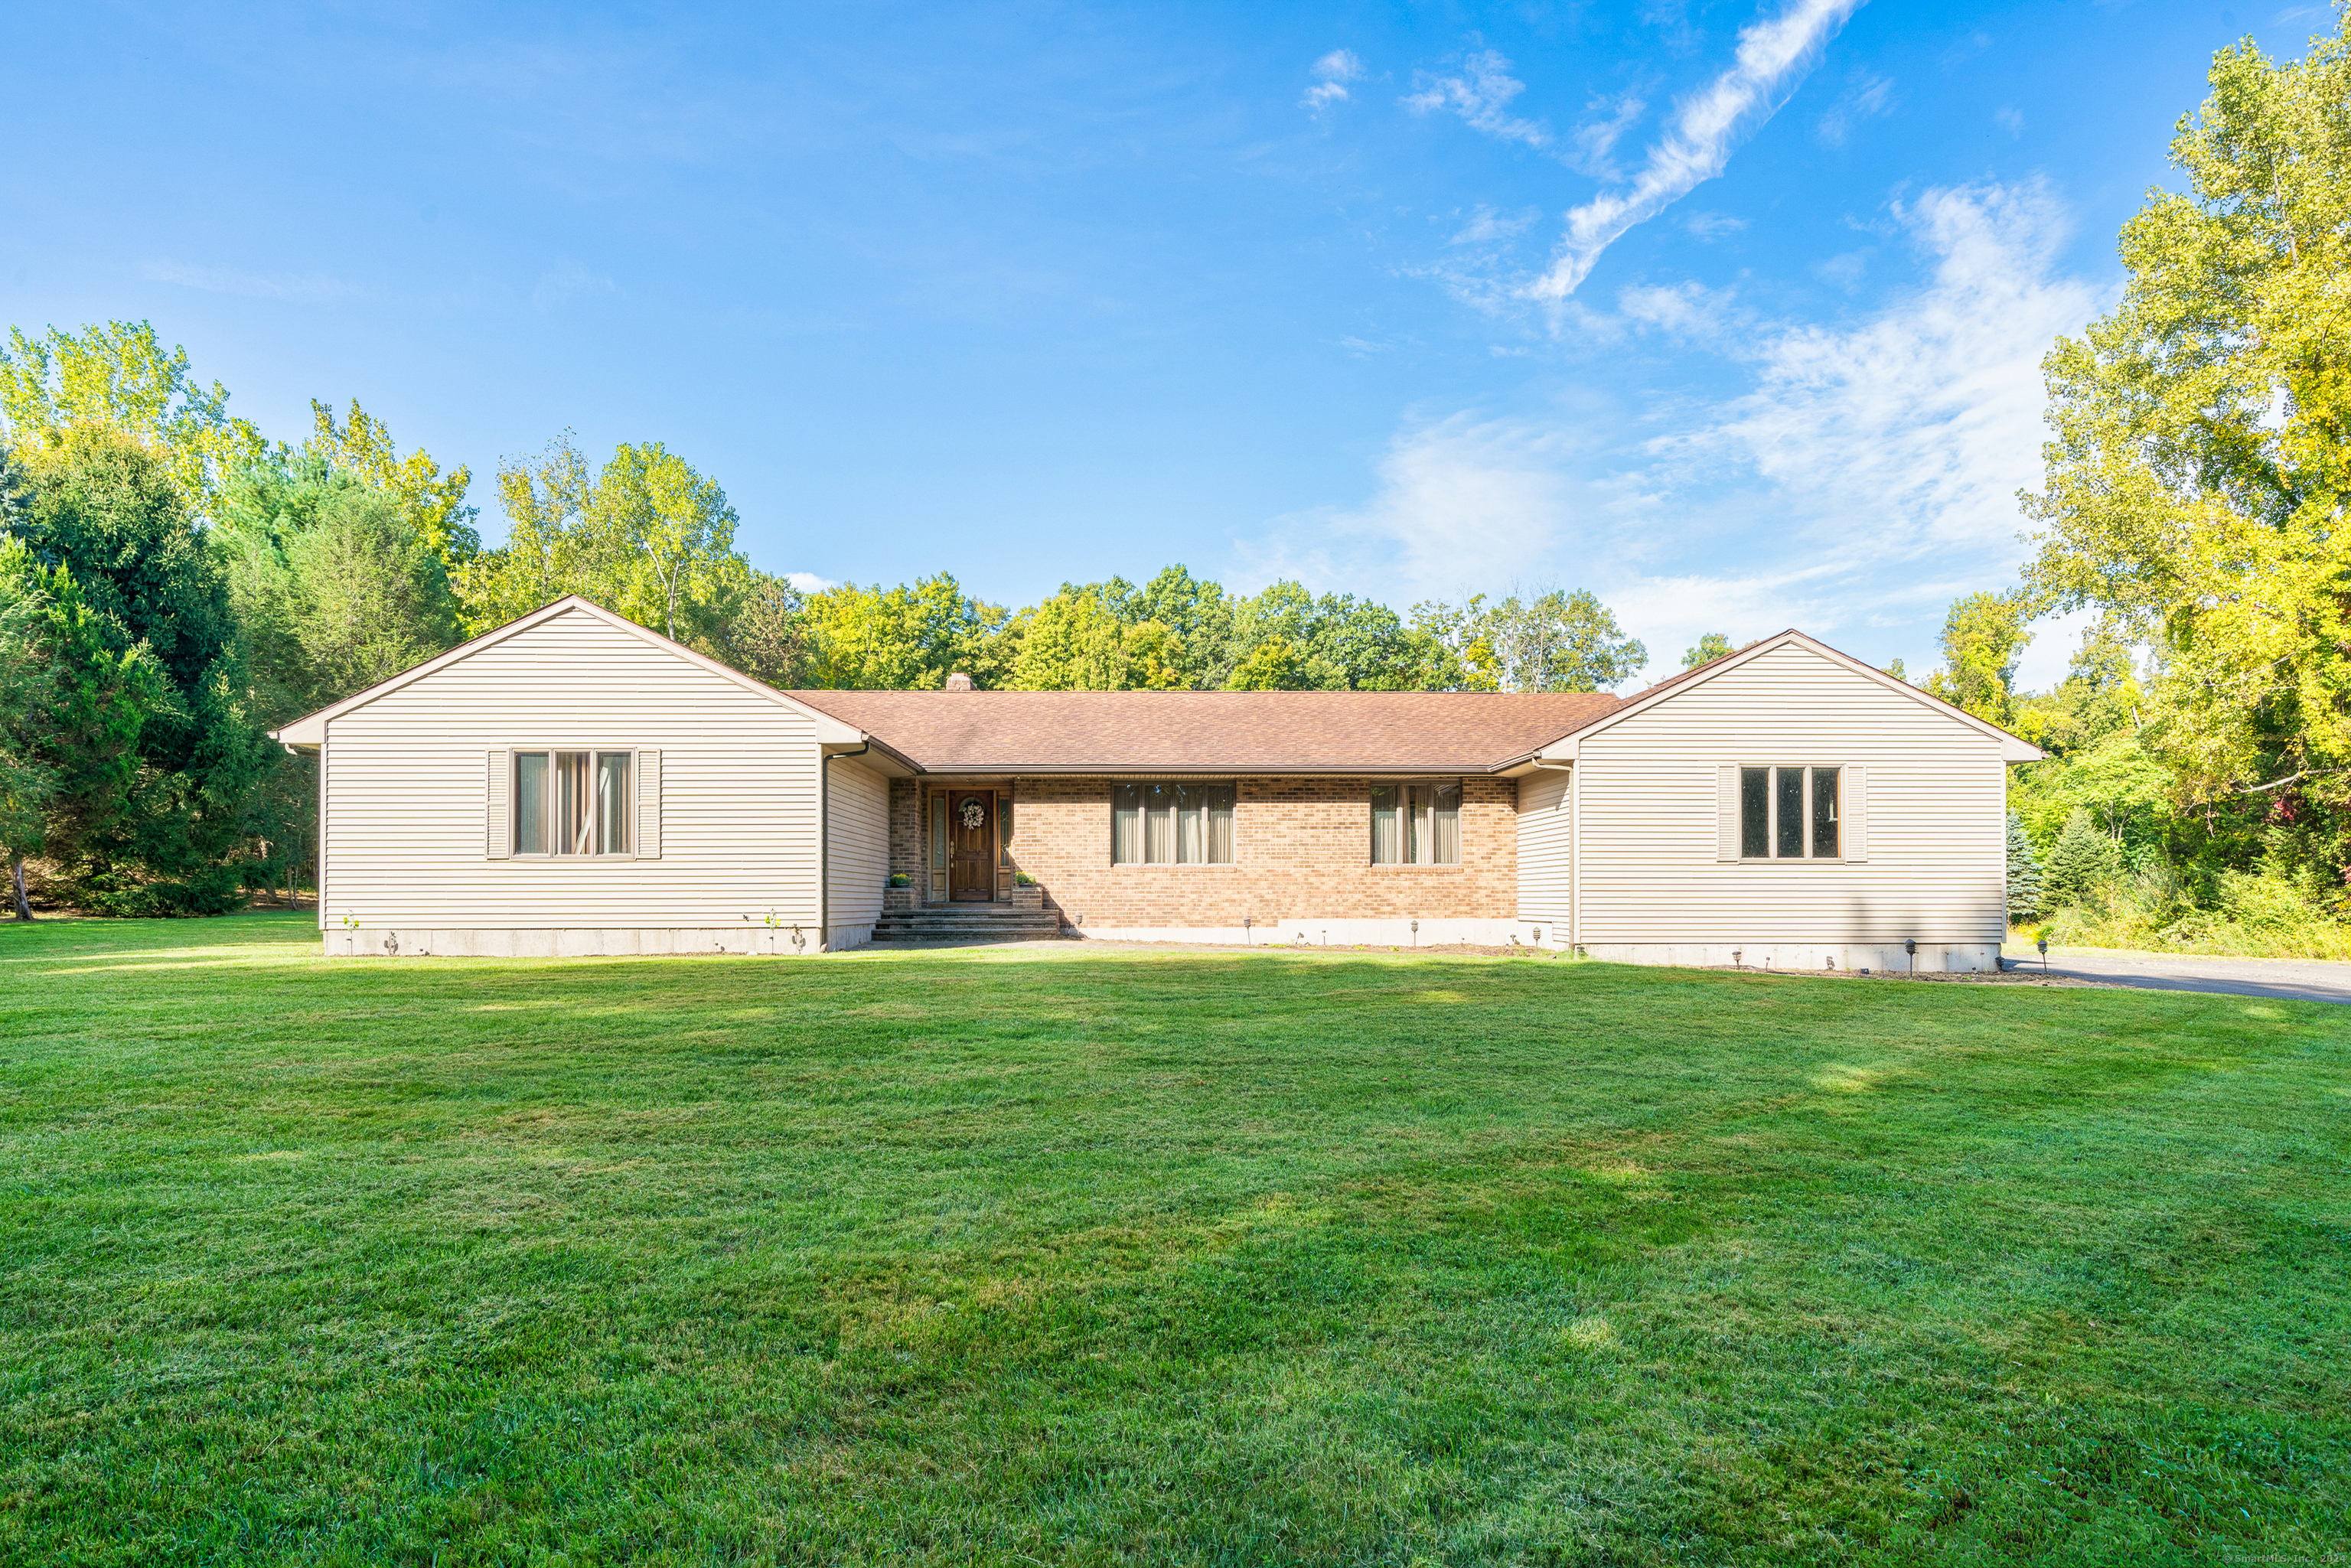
[[1017, 922]]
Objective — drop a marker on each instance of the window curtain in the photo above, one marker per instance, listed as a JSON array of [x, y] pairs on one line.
[[1388, 831], [530, 803], [1217, 800], [1159, 823], [1126, 825], [611, 802], [1445, 826]]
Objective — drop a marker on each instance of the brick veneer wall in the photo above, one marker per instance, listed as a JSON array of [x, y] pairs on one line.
[[1301, 848], [906, 831]]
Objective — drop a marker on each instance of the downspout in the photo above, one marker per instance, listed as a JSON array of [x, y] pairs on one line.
[[824, 841]]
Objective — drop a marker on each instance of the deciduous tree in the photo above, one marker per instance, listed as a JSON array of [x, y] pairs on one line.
[[1712, 646], [2197, 479]]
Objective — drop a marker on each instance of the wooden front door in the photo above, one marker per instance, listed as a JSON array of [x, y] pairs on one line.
[[971, 844]]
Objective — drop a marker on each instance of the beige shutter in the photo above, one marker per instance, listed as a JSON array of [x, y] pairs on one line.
[[649, 805], [500, 805], [1726, 793], [1855, 803]]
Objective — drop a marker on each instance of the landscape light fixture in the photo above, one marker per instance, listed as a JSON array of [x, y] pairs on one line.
[[1415, 933], [1910, 945], [1246, 924], [2043, 944]]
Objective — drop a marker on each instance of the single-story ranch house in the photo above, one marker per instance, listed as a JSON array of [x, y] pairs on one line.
[[572, 783]]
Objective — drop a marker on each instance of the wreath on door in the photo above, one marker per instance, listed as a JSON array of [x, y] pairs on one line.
[[975, 815]]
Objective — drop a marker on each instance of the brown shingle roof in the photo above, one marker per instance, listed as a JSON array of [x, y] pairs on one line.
[[1213, 732]]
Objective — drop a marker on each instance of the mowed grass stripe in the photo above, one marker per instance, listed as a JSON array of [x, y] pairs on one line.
[[1121, 1257]]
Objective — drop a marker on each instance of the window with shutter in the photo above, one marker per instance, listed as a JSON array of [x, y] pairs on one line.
[[1789, 812]]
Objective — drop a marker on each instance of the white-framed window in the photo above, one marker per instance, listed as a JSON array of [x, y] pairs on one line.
[[1171, 824], [1416, 824], [574, 803], [1791, 811]]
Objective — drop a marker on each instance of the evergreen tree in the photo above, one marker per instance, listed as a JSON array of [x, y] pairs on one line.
[[106, 510], [2024, 892], [2082, 861]]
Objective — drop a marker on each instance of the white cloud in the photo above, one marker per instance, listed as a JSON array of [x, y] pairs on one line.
[[1481, 96], [1461, 503], [1688, 309], [1914, 430], [304, 287], [808, 581], [1865, 477], [1704, 129], [1332, 74], [1711, 226]]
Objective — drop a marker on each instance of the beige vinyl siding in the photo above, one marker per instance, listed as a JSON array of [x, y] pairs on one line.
[[1546, 847], [1649, 791], [857, 851], [406, 825]]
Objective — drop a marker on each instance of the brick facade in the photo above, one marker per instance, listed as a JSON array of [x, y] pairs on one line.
[[1302, 849]]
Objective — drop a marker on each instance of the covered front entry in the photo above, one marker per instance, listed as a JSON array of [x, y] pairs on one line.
[[971, 845]]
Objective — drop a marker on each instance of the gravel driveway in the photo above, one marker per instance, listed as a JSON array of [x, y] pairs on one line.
[[2302, 980]]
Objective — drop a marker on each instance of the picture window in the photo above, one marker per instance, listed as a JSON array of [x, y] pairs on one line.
[[1415, 824], [573, 802], [1789, 813], [1171, 824]]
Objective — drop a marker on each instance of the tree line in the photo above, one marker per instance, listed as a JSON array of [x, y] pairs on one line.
[[174, 584]]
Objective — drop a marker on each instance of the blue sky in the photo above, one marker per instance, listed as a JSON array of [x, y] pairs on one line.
[[1730, 313]]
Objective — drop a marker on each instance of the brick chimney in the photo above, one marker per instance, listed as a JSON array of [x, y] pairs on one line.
[[958, 681]]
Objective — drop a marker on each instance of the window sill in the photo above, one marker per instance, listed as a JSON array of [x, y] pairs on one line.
[[569, 860], [1808, 860], [1382, 866], [1174, 865]]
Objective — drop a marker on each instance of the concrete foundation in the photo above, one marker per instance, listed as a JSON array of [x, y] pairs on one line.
[[1884, 959], [581, 942], [1314, 931]]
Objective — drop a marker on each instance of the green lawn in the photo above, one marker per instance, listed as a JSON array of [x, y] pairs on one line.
[[1223, 1257]]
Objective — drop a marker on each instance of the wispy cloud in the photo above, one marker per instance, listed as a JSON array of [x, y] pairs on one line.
[[1332, 74], [304, 287], [1604, 123], [561, 285], [1487, 227], [808, 581], [1704, 129], [1480, 93], [1866, 96], [1460, 502], [1865, 476], [1912, 432]]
